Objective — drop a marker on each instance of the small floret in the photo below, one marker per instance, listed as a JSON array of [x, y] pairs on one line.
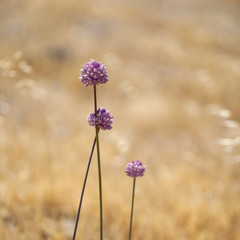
[[135, 169], [104, 119], [93, 73]]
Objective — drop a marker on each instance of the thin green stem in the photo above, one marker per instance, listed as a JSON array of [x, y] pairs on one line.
[[131, 218], [83, 189], [99, 166]]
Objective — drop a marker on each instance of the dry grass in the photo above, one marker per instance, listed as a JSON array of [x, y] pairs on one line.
[[174, 91]]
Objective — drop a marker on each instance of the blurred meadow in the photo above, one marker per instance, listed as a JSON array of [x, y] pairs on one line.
[[174, 69]]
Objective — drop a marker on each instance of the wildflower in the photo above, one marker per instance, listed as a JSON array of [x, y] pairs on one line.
[[135, 169], [104, 119], [93, 73]]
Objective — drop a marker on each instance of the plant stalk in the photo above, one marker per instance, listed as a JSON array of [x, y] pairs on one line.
[[83, 189], [131, 218], [99, 166]]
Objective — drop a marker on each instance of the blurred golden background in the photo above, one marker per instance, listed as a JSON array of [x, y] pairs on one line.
[[174, 86]]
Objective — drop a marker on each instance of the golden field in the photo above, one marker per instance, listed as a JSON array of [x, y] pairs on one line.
[[174, 69]]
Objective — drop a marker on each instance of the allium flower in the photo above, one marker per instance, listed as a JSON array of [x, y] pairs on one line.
[[93, 73], [104, 119], [135, 169]]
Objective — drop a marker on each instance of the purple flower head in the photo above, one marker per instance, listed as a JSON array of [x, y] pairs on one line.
[[135, 169], [93, 73], [104, 119]]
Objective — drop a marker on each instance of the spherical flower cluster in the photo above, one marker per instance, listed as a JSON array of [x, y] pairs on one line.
[[104, 119], [135, 169], [93, 73]]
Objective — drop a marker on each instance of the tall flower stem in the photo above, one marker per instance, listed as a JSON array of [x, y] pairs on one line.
[[83, 189], [131, 217], [99, 166]]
